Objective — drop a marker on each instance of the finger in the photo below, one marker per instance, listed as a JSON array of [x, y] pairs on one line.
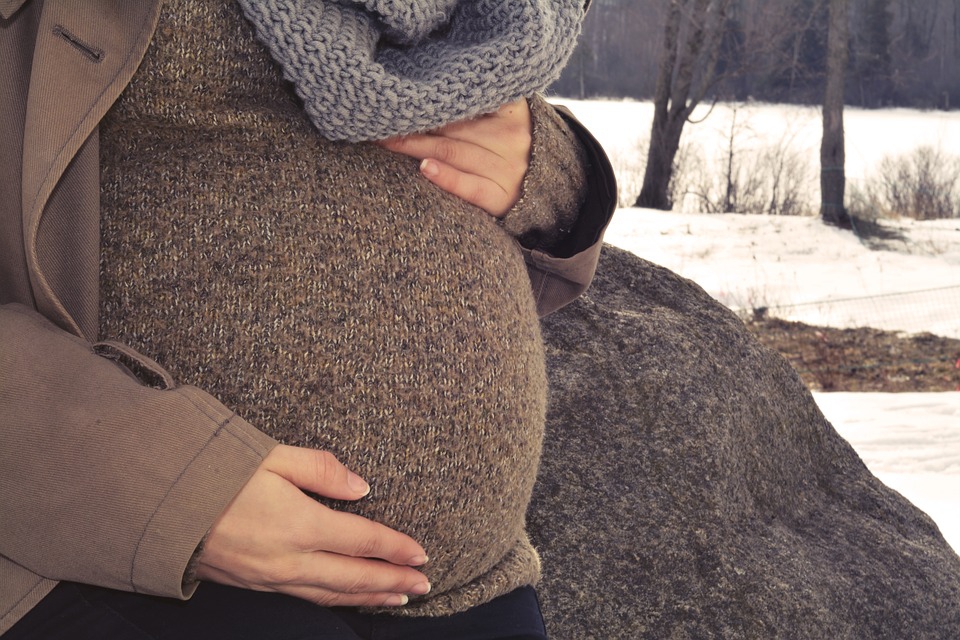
[[314, 594], [507, 133], [325, 598], [321, 528], [462, 155], [473, 173], [479, 191], [484, 131], [342, 574], [501, 131], [351, 535], [316, 471]]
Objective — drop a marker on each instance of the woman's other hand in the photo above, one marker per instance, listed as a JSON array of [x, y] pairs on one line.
[[483, 160], [273, 537]]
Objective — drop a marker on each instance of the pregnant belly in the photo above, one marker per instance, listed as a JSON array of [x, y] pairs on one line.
[[397, 331]]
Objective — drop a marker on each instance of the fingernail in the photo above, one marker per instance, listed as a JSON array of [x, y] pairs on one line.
[[429, 169], [421, 589], [396, 601], [357, 483], [416, 561]]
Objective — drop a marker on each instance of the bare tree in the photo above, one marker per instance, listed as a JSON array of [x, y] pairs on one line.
[[691, 48], [832, 152]]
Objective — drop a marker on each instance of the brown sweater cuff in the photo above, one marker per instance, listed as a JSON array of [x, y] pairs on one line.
[[555, 186]]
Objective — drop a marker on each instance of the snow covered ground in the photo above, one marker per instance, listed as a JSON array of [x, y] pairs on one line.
[[808, 272], [911, 441]]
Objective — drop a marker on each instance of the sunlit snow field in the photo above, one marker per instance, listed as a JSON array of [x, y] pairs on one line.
[[820, 275]]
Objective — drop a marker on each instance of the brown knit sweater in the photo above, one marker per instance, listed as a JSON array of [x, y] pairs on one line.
[[333, 297]]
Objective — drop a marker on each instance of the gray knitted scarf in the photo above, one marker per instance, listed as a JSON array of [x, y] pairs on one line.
[[371, 69]]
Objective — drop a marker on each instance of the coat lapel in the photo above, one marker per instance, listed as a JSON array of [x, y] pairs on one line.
[[9, 7], [86, 53]]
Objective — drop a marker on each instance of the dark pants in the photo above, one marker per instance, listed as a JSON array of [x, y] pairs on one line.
[[80, 612]]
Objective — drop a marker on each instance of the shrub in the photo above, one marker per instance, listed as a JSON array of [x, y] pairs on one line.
[[749, 174], [924, 185], [770, 180], [629, 166]]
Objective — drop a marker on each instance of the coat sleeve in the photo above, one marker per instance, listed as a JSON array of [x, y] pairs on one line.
[[569, 196], [107, 480]]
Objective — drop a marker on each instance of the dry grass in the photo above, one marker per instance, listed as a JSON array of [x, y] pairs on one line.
[[863, 359]]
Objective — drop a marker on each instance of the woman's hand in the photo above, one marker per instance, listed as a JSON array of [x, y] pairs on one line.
[[483, 160], [273, 537]]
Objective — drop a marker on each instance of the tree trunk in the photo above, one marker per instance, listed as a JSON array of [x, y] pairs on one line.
[[655, 192], [664, 144], [832, 154], [681, 64]]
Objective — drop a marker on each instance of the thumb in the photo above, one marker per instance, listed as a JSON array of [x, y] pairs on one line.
[[317, 471]]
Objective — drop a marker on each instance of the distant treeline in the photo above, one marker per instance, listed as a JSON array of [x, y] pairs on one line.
[[902, 52]]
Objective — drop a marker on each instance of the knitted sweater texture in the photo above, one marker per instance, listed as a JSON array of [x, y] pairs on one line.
[[333, 297]]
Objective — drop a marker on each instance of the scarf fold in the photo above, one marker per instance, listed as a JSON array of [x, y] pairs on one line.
[[373, 69]]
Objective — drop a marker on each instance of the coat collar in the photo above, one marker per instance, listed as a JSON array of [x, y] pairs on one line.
[[85, 54], [10, 7]]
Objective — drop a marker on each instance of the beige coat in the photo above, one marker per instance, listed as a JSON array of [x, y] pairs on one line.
[[105, 479]]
